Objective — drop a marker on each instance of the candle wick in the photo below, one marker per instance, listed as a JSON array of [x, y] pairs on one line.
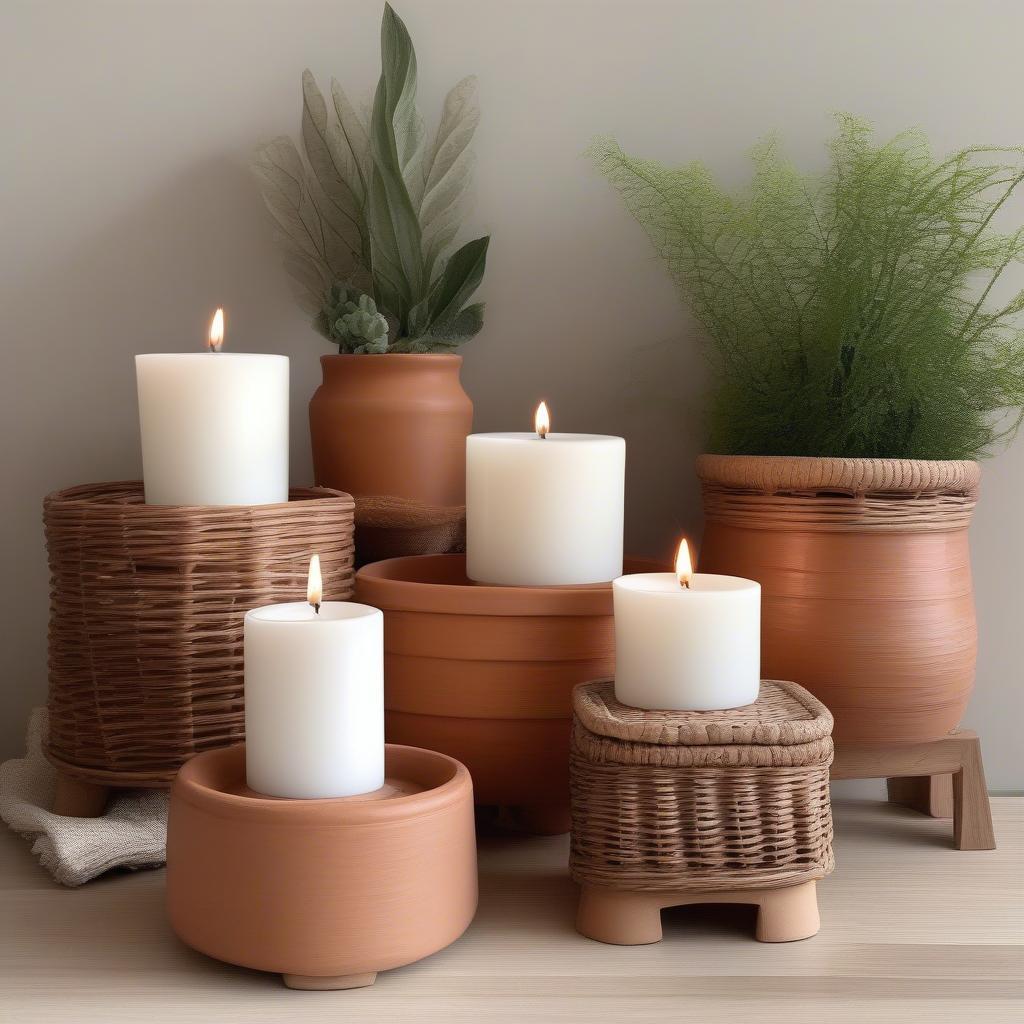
[[316, 607], [685, 584]]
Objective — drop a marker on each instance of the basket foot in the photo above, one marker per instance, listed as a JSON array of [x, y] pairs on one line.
[[957, 756], [619, 918], [76, 798], [550, 819], [624, 918], [789, 914], [334, 983]]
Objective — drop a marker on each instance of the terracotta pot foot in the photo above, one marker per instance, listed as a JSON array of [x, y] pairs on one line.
[[619, 918], [549, 819], [332, 983], [626, 918], [76, 798], [957, 756], [788, 914]]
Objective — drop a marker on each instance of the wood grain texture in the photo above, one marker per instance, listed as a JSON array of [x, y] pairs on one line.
[[910, 931], [954, 761], [928, 794]]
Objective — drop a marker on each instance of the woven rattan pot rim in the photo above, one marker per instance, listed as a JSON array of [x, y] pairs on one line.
[[784, 714], [774, 473], [115, 495]]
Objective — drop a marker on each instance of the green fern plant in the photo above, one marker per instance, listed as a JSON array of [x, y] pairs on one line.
[[374, 208], [849, 314]]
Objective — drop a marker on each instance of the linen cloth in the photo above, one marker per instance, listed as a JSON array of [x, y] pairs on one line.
[[131, 834]]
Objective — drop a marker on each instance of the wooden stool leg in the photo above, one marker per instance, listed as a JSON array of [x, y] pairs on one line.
[[551, 819], [308, 983], [929, 794], [972, 812], [620, 918], [76, 798], [788, 914]]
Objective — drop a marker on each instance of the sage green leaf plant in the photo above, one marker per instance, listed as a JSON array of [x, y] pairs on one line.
[[368, 213], [851, 313]]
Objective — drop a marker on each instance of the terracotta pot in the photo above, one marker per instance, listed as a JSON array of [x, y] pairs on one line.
[[325, 892], [866, 582], [485, 673], [394, 428]]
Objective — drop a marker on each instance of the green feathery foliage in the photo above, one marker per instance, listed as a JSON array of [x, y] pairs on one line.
[[373, 209], [851, 314]]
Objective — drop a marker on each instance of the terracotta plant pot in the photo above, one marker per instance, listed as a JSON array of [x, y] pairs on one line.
[[325, 892], [394, 428], [486, 673], [866, 582]]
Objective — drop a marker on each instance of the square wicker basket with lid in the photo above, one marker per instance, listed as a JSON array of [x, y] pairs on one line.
[[673, 807]]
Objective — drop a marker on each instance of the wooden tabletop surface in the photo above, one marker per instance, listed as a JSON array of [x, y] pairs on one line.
[[912, 930]]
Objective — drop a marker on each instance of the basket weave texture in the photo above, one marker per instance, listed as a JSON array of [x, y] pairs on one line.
[[701, 801], [146, 618], [841, 495]]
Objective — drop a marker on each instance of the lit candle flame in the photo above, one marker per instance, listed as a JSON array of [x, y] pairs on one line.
[[217, 331], [684, 567], [542, 421], [315, 589]]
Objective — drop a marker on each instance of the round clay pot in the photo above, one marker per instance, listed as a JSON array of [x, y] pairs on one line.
[[865, 581], [486, 673], [325, 892], [394, 428]]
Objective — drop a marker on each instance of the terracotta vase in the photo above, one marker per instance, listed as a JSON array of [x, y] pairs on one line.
[[485, 673], [325, 892], [394, 428], [866, 582]]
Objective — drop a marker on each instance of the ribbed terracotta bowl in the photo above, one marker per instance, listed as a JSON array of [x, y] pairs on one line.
[[486, 673], [865, 577], [321, 889]]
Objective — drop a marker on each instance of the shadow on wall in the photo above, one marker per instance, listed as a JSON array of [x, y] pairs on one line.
[[147, 279], [663, 395]]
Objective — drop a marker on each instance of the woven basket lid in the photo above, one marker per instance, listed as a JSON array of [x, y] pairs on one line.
[[784, 714]]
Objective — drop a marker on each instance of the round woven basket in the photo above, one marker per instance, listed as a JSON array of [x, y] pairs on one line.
[[865, 580], [146, 618], [700, 800]]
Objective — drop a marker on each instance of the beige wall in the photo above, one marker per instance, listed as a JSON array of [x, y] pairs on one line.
[[128, 214]]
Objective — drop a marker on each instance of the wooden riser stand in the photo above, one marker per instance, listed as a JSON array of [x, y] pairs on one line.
[[944, 779]]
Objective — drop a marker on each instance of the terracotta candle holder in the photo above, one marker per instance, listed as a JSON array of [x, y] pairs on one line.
[[324, 892], [485, 673]]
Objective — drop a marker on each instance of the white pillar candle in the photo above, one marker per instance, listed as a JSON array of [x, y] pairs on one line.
[[544, 509], [680, 647], [314, 699], [214, 426]]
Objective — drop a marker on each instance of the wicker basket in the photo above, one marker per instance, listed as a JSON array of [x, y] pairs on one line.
[[146, 611], [702, 801]]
